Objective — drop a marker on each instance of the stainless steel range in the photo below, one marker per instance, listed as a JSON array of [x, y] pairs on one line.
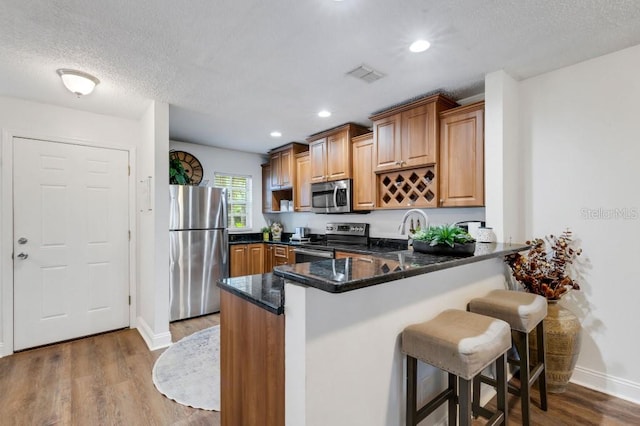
[[337, 235]]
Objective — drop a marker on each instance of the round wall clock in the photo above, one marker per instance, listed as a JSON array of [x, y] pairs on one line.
[[191, 165]]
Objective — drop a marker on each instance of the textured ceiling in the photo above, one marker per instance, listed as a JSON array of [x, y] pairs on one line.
[[234, 70]]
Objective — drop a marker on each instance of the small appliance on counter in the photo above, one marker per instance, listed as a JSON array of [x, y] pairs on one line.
[[301, 234]]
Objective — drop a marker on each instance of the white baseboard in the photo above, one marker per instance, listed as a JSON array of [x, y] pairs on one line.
[[620, 388], [153, 341]]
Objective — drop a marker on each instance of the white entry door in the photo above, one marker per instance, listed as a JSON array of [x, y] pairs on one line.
[[71, 241]]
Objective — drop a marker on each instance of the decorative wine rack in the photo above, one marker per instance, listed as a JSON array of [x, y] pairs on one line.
[[408, 188]]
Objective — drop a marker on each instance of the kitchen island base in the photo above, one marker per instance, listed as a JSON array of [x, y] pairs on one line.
[[342, 357], [251, 364]]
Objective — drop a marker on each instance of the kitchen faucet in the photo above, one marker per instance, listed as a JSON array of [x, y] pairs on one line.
[[406, 216]]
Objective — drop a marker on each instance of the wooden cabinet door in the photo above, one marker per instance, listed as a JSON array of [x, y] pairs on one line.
[[238, 260], [276, 161], [364, 178], [267, 195], [255, 259], [462, 156], [386, 134], [318, 160], [338, 156], [302, 188], [418, 136], [286, 169], [268, 258]]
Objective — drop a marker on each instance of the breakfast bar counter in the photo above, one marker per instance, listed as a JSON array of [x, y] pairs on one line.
[[334, 356]]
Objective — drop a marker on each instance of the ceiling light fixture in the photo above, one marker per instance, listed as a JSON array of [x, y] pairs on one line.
[[275, 134], [324, 113], [78, 82], [419, 46]]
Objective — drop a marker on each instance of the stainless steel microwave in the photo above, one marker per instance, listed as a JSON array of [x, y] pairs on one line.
[[331, 197]]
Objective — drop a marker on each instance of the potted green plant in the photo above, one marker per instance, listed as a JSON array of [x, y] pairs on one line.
[[449, 240], [177, 174], [265, 233], [546, 269]]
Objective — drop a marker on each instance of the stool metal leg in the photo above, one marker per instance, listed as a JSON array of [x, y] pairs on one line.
[[475, 406], [522, 344], [453, 405], [464, 401], [542, 379], [501, 378], [412, 379]]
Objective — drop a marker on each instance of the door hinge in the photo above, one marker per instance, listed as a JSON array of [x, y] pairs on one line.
[[129, 300], [128, 170], [129, 235]]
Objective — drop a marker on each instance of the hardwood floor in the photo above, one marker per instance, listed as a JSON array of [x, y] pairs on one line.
[[577, 406], [106, 380], [98, 380]]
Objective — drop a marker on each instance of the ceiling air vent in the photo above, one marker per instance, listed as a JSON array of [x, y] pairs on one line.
[[366, 73]]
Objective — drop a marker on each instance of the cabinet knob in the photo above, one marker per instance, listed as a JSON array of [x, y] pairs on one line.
[[398, 163]]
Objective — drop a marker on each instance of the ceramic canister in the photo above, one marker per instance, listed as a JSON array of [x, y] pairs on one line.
[[485, 235]]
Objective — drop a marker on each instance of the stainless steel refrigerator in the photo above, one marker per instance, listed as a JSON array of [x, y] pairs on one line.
[[199, 253]]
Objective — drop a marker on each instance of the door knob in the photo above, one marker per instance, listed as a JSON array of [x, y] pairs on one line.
[[23, 256], [22, 240]]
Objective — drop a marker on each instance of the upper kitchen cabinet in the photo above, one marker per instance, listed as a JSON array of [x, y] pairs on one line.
[[267, 197], [302, 188], [282, 160], [407, 136], [461, 164], [364, 180], [330, 152]]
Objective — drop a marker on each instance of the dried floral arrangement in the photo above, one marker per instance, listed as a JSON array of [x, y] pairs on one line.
[[545, 270]]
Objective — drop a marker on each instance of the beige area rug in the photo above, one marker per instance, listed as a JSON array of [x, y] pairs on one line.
[[188, 372]]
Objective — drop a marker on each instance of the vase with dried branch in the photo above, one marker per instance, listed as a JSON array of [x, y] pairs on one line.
[[547, 270]]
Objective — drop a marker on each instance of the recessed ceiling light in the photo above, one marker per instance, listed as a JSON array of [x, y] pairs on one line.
[[324, 113], [275, 134], [419, 46]]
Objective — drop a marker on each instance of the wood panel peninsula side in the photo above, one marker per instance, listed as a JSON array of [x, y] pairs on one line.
[[331, 354]]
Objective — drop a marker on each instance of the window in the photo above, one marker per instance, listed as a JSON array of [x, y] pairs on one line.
[[239, 199]]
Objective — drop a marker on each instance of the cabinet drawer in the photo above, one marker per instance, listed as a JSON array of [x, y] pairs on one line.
[[281, 251]]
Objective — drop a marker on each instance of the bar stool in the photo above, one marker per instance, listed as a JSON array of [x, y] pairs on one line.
[[462, 344], [524, 312]]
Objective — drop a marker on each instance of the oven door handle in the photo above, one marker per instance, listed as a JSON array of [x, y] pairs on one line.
[[335, 197], [327, 254]]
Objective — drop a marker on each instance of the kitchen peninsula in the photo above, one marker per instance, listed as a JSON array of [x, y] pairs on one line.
[[341, 320]]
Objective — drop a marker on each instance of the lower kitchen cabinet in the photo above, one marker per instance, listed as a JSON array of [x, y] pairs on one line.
[[247, 259], [238, 260], [280, 255]]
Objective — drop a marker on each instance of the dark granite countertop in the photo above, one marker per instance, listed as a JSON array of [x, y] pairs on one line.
[[263, 290], [340, 275]]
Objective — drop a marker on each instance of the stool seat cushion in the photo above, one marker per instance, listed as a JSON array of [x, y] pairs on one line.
[[522, 310], [460, 342]]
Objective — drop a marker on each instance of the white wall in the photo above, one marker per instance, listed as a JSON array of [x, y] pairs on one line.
[[503, 169], [580, 127], [233, 162], [30, 119], [153, 228]]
